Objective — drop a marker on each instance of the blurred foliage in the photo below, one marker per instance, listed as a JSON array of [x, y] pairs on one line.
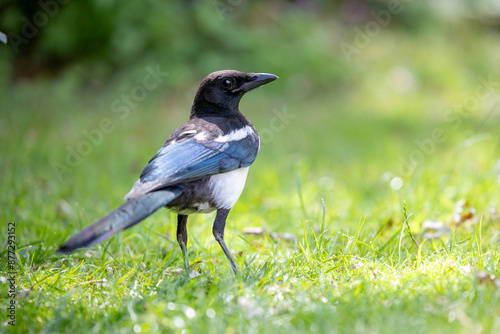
[[356, 121], [101, 38]]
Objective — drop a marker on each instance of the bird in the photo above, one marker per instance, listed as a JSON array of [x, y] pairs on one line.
[[201, 168]]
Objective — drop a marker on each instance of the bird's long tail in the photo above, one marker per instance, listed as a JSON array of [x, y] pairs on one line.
[[121, 218]]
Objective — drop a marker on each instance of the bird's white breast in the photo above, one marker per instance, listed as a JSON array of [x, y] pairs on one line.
[[227, 187]]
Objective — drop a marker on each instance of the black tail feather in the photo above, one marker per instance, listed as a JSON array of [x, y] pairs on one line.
[[123, 217]]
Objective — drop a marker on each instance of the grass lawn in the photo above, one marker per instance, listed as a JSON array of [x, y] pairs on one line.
[[346, 177]]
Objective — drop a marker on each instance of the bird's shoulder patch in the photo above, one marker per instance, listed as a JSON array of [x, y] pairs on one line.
[[197, 129], [235, 135]]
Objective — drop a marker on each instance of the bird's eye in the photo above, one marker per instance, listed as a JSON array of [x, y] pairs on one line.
[[227, 83]]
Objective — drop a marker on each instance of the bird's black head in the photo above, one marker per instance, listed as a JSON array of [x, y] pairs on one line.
[[220, 92]]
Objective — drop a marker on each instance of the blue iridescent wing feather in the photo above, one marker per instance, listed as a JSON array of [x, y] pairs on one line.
[[192, 159]]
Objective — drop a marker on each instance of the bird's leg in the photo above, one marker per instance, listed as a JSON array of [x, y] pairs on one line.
[[182, 237], [218, 230]]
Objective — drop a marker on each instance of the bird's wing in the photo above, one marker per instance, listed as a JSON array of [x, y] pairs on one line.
[[190, 157]]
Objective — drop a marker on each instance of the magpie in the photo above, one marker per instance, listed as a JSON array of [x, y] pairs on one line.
[[202, 166]]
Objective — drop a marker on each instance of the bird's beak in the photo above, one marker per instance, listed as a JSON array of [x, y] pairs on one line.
[[258, 79]]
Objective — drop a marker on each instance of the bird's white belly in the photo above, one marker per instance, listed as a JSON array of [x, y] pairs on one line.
[[227, 187]]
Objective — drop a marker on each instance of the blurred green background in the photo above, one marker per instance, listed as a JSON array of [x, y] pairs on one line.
[[378, 103], [370, 92]]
